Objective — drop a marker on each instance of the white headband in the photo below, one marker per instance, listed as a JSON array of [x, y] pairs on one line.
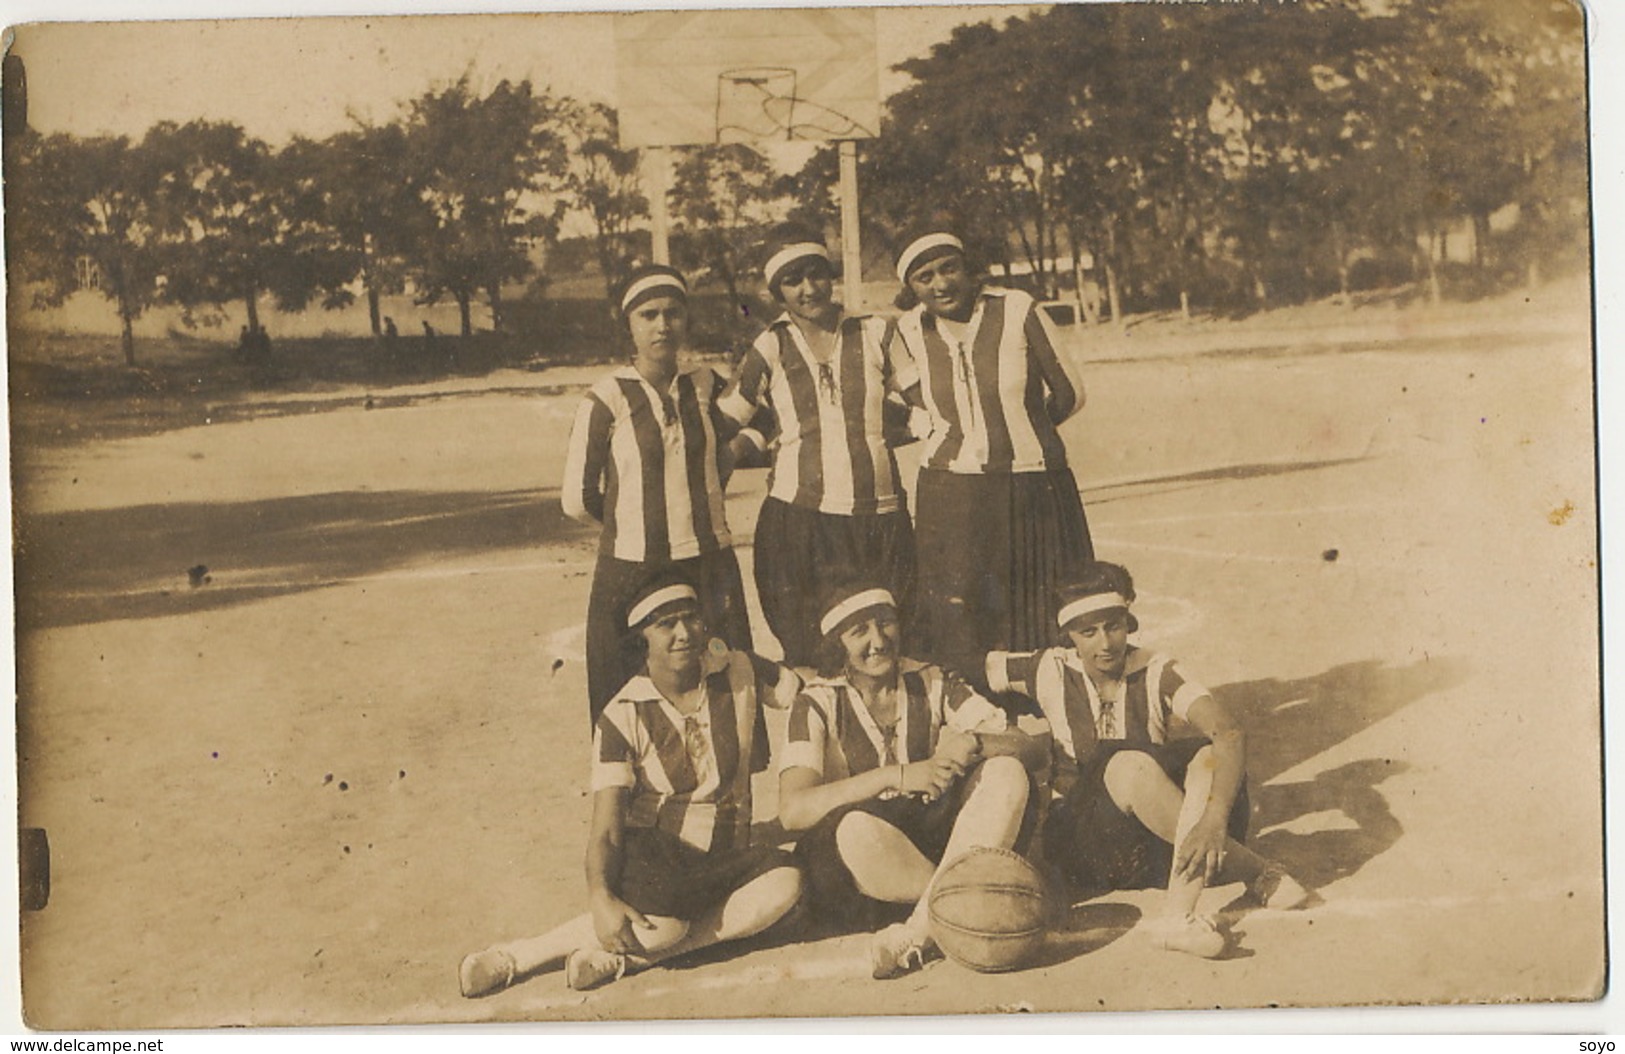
[[1089, 605], [648, 282], [657, 600], [789, 255], [920, 246], [851, 606]]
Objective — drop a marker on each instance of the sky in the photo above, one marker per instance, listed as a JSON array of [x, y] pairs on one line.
[[280, 77]]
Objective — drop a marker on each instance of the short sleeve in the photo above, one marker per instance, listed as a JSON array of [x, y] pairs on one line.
[[805, 736], [777, 686], [901, 366], [614, 759], [1013, 671], [744, 395], [966, 710], [1177, 692]]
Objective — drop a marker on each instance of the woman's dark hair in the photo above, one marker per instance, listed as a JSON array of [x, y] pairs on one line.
[[1097, 576]]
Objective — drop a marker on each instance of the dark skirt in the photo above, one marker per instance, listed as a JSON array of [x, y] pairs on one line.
[[800, 553], [1097, 847], [663, 875], [612, 658], [993, 550]]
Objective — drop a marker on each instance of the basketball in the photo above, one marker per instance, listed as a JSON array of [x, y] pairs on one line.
[[988, 910]]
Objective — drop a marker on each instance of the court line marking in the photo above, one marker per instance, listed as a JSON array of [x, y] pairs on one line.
[[1316, 510], [226, 581], [1222, 555]]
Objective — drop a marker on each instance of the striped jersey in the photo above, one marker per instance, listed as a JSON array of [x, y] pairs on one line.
[[1152, 698], [994, 398], [690, 775], [644, 463], [832, 454], [832, 732]]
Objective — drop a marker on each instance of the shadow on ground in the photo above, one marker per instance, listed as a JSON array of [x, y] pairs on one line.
[[1289, 722], [104, 564], [1088, 928]]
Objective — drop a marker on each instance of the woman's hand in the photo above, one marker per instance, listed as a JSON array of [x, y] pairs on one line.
[[930, 778], [1201, 852], [959, 747], [613, 920]]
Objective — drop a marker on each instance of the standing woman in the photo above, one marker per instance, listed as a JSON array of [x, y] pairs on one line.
[[835, 508], [999, 517], [647, 460]]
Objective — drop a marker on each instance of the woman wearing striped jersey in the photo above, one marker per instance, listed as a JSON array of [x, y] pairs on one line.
[[999, 520], [835, 507], [1149, 767], [670, 868], [884, 774], [647, 460]]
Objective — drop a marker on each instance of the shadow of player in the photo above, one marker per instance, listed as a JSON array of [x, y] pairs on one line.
[[1321, 857], [1087, 929], [1290, 722]]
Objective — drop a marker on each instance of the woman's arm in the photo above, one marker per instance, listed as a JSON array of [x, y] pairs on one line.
[[1229, 760], [1061, 374], [613, 919], [585, 460], [804, 799]]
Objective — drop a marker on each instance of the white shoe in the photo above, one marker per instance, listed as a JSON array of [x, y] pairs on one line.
[[1274, 888], [1192, 934], [485, 972], [590, 967], [897, 950]]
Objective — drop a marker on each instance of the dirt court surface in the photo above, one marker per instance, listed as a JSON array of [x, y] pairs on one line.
[[300, 792]]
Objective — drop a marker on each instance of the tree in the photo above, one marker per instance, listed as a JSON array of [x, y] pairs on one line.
[[360, 185], [603, 183], [723, 197], [83, 211], [240, 223], [488, 171]]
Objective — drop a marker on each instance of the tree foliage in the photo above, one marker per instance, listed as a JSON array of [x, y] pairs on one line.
[[487, 170], [83, 212], [603, 184], [1242, 154]]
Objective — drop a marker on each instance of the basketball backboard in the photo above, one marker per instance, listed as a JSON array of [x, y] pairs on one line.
[[689, 77]]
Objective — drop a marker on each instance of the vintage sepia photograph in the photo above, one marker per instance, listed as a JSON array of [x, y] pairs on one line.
[[834, 512]]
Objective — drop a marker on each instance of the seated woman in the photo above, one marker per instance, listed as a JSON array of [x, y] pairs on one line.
[[1139, 807], [670, 868], [883, 772]]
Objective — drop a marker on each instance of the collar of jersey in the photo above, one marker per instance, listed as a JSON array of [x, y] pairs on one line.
[[785, 319], [630, 372]]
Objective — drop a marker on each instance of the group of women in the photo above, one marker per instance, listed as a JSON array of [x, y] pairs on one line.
[[908, 642]]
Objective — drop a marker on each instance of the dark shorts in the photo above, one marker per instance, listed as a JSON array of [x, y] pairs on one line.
[[663, 875], [830, 892], [1097, 847]]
